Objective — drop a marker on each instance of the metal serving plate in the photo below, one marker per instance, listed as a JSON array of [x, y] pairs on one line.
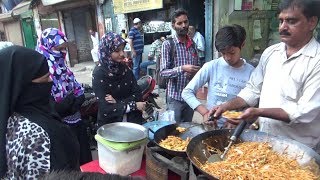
[[122, 132]]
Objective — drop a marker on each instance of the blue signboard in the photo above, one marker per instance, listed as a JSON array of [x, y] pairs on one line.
[[10, 4]]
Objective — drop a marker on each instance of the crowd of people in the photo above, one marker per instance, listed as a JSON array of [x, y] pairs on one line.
[[41, 130]]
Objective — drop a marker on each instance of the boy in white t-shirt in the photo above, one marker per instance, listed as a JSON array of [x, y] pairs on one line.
[[225, 76]]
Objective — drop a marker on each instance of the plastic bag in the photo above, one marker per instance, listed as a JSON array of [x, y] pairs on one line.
[[166, 116]]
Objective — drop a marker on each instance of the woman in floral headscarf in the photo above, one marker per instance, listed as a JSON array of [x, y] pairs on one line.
[[114, 84], [67, 93]]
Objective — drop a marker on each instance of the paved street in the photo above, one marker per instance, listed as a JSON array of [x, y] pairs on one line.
[[83, 72]]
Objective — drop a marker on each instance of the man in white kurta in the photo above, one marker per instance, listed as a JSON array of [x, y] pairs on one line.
[[95, 44], [293, 84]]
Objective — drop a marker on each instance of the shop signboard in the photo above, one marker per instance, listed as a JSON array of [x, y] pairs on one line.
[[52, 2], [128, 6]]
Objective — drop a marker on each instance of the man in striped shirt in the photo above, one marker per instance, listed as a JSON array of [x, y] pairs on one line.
[[181, 68], [154, 53], [136, 45]]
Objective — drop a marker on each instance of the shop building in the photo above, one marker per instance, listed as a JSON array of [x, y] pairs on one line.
[[22, 21], [16, 23], [26, 20], [74, 18], [258, 17], [155, 17]]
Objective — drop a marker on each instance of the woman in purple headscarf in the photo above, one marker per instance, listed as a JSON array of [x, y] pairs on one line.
[[114, 84], [67, 93]]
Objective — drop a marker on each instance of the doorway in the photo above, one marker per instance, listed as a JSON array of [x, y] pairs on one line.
[[30, 38], [77, 24]]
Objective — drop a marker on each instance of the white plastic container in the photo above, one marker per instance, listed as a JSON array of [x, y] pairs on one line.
[[120, 162]]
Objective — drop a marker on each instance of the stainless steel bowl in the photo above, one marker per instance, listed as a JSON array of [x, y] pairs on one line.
[[122, 132]]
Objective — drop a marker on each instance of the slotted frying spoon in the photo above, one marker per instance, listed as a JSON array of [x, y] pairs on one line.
[[237, 132]]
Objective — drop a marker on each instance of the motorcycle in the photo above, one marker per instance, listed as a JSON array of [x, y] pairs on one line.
[[89, 112]]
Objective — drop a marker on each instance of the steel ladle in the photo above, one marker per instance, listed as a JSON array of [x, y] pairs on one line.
[[237, 132]]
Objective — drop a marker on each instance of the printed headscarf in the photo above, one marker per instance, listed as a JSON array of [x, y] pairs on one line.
[[108, 44], [63, 78]]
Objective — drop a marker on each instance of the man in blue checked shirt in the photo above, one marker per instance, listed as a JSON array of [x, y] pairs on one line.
[[179, 70], [136, 45]]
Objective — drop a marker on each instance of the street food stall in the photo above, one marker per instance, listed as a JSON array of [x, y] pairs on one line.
[[149, 28], [161, 163]]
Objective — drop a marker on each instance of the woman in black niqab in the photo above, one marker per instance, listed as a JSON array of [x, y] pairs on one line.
[[32, 141]]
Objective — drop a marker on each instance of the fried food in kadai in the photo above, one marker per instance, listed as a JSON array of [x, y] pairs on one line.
[[175, 143], [231, 114], [181, 129], [257, 160]]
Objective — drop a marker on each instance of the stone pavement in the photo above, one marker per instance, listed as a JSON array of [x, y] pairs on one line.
[[83, 74]]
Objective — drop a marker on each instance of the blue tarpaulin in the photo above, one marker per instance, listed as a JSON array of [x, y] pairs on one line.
[[10, 4]]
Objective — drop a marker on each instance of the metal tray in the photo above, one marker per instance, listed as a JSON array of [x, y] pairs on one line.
[[122, 132], [155, 125]]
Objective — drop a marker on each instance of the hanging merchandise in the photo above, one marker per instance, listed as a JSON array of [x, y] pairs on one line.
[[237, 4], [256, 30], [247, 4]]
